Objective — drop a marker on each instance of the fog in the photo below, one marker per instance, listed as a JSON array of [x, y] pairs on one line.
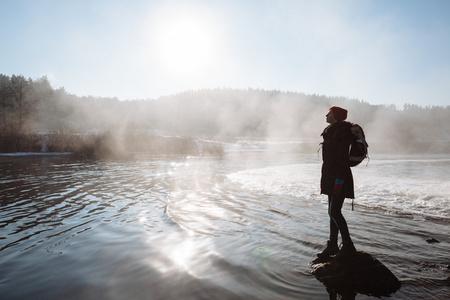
[[219, 116]]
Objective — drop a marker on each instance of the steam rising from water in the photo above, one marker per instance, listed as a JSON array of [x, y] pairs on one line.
[[272, 116], [220, 115]]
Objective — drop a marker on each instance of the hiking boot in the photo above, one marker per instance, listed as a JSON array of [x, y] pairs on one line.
[[348, 250], [330, 249]]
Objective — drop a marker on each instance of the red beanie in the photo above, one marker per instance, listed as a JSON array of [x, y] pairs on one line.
[[339, 113]]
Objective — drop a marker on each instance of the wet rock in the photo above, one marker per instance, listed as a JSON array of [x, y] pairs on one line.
[[362, 273], [432, 241]]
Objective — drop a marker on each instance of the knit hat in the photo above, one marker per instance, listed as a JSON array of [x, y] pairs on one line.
[[339, 113]]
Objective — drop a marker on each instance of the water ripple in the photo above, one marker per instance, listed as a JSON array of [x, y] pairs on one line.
[[180, 228]]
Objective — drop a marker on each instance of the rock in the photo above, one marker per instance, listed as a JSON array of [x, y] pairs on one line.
[[432, 240], [362, 273]]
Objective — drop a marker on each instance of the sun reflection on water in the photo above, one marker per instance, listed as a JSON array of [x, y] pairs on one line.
[[183, 254]]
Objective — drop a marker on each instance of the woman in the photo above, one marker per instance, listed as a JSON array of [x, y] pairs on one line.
[[337, 180]]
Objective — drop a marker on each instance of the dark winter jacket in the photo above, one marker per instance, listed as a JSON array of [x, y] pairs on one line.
[[336, 142]]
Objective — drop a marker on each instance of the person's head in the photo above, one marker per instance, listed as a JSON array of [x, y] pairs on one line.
[[336, 114]]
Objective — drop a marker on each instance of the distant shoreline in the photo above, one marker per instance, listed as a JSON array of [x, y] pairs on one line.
[[36, 153]]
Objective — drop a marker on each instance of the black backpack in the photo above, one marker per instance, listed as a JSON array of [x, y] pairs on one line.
[[358, 148]]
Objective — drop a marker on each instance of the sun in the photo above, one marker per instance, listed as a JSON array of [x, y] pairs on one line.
[[184, 43], [185, 47]]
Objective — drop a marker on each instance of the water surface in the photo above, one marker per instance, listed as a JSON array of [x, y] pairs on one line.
[[243, 226]]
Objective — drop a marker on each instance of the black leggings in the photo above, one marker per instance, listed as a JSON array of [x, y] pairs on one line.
[[337, 220]]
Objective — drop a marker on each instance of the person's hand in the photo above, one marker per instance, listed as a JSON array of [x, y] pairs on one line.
[[338, 186]]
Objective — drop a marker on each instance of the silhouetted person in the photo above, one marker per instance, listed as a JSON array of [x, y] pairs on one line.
[[337, 180]]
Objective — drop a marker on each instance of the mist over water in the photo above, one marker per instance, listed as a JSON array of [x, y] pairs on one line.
[[56, 121], [241, 226]]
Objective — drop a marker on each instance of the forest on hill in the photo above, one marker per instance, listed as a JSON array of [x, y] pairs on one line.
[[37, 117]]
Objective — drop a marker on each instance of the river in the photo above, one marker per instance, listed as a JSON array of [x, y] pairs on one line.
[[242, 226]]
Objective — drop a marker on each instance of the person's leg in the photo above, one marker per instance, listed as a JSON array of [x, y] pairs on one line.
[[334, 229], [334, 210], [348, 249], [332, 244]]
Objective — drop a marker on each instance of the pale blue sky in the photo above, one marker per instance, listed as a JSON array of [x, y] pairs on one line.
[[379, 51]]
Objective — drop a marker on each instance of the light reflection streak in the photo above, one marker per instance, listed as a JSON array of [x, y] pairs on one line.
[[197, 212], [182, 252]]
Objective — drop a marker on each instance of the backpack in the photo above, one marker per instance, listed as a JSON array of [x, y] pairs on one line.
[[358, 148]]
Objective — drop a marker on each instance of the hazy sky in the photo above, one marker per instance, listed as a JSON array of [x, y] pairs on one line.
[[379, 51]]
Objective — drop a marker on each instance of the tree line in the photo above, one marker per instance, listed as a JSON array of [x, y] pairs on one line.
[[33, 108]]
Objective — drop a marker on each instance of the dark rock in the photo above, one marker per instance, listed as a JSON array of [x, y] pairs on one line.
[[432, 240], [361, 273]]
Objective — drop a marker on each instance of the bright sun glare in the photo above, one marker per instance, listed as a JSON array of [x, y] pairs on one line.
[[184, 42]]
